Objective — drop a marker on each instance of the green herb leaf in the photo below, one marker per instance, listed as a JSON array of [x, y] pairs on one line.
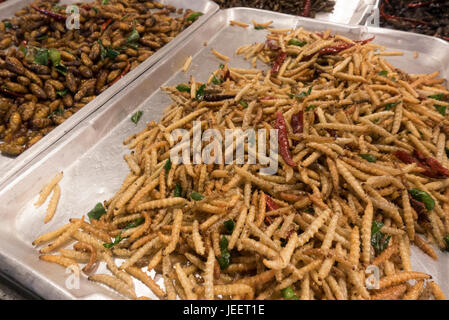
[[194, 16], [376, 226], [104, 2], [133, 45], [390, 106], [438, 96], [55, 56], [41, 38], [216, 81], [200, 93], [62, 94], [116, 241], [229, 225], [222, 66], [288, 293], [296, 42], [167, 166], [309, 210], [178, 191], [96, 9], [446, 239], [133, 36], [440, 109], [383, 73], [223, 243], [368, 157], [424, 197], [259, 27], [225, 258], [135, 224], [380, 241], [60, 68], [244, 104], [304, 93], [196, 196], [96, 212], [136, 116], [311, 107], [41, 57], [183, 88], [23, 49], [8, 24]]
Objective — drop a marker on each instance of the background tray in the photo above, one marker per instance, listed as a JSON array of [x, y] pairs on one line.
[[9, 165], [91, 155]]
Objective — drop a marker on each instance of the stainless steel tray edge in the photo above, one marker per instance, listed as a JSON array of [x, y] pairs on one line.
[[10, 165], [19, 260]]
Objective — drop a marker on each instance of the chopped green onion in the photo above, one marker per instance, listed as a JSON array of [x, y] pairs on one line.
[[383, 73], [259, 27]]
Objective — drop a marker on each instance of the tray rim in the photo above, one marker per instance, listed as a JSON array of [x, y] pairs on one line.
[[11, 167], [78, 129]]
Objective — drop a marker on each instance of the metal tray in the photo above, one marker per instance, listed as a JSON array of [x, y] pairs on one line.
[[9, 165], [91, 156], [349, 11]]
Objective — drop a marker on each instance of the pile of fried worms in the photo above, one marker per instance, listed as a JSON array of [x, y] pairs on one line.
[[362, 176], [49, 72]]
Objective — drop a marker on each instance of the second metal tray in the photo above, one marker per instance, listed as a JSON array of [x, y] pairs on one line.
[[9, 165], [91, 156]]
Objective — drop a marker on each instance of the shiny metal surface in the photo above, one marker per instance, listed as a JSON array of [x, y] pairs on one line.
[[9, 165], [349, 11], [91, 155]]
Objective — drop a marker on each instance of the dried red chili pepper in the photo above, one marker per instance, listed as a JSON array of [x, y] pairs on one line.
[[297, 122], [272, 44], [335, 49], [278, 63], [365, 41], [388, 17], [105, 25], [419, 207], [306, 10], [268, 221], [405, 157], [10, 93], [271, 205], [50, 14], [419, 4], [284, 146], [128, 66]]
